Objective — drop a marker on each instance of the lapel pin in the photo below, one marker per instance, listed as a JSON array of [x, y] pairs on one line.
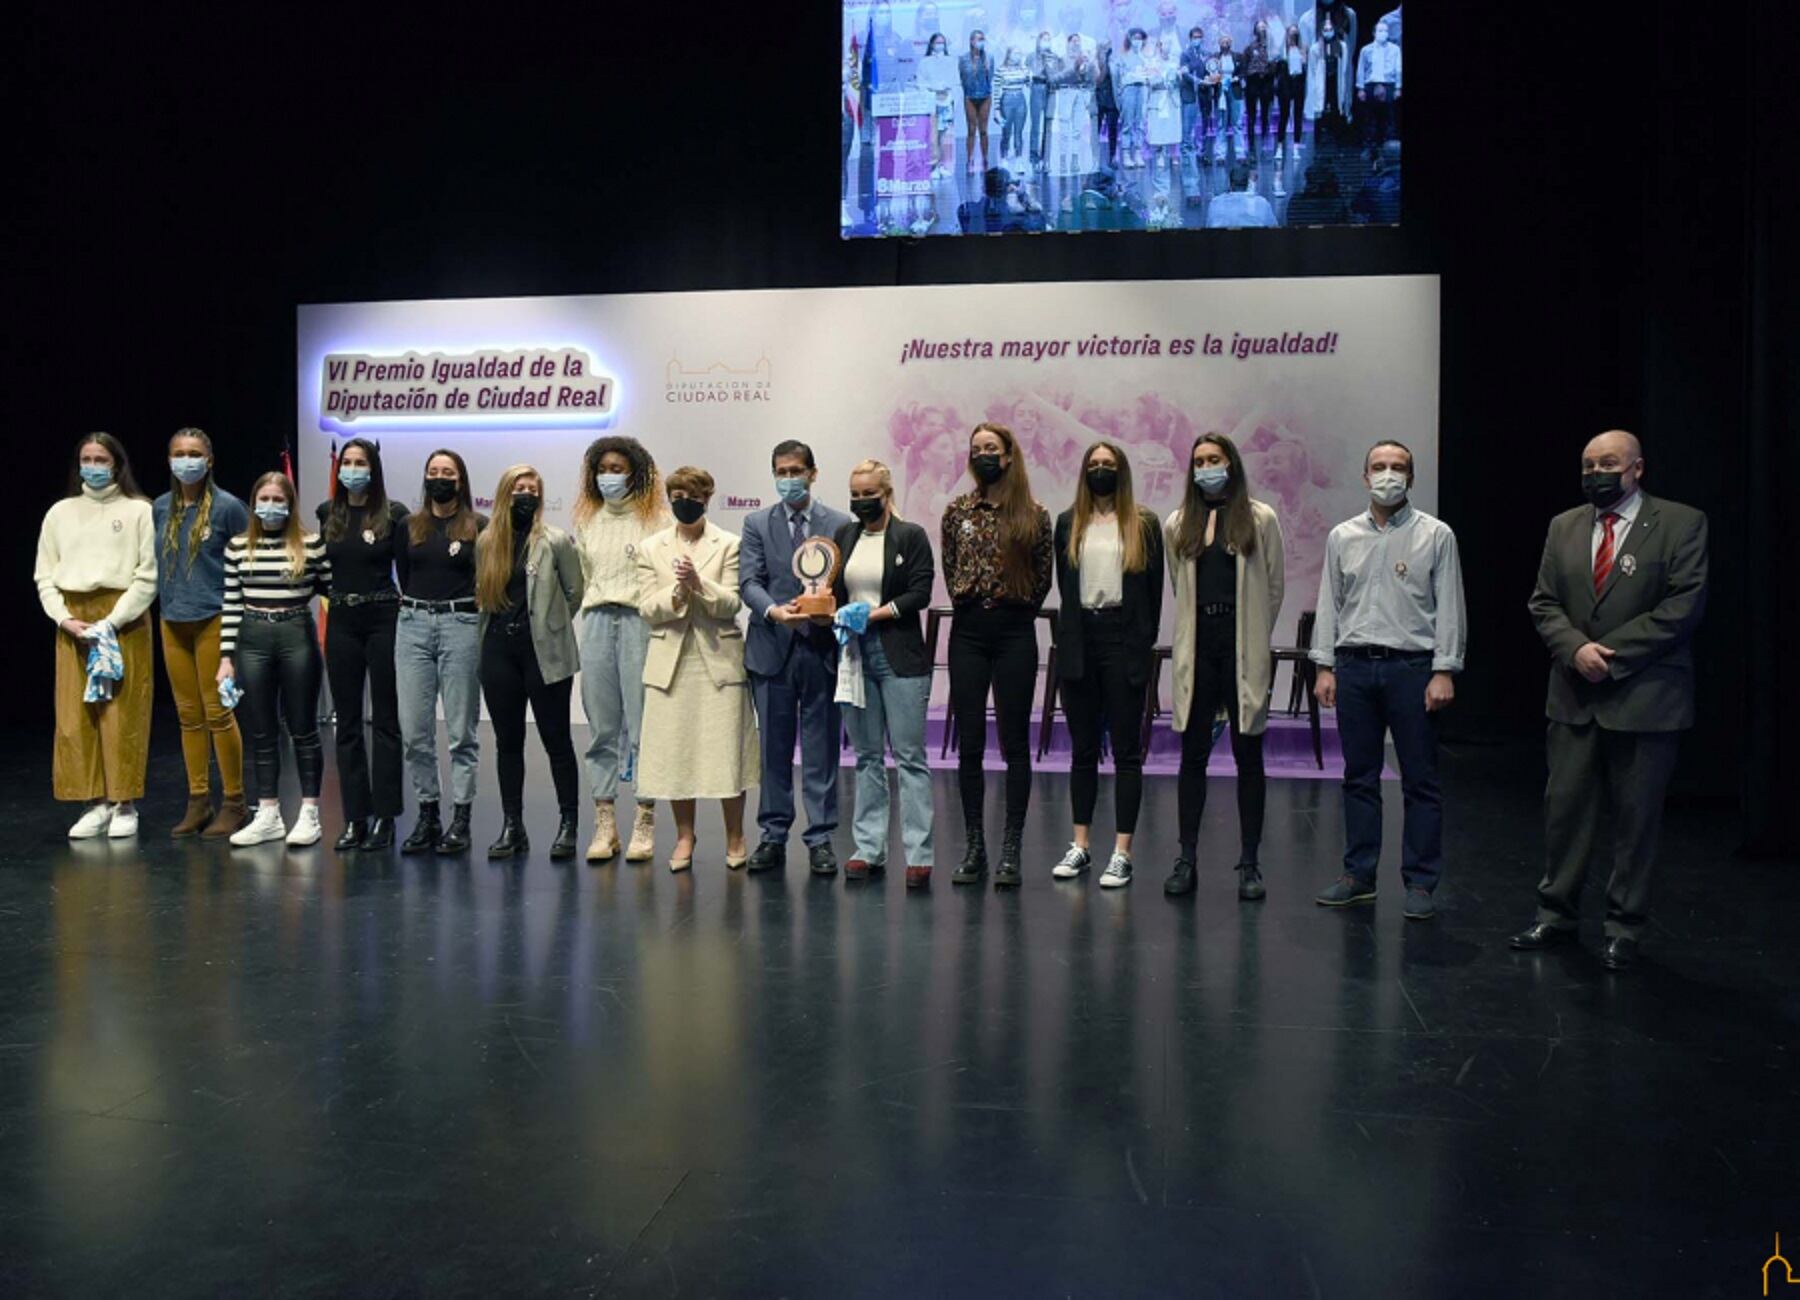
[[1400, 568], [206, 533], [455, 549], [368, 537], [118, 525], [1628, 565], [531, 570]]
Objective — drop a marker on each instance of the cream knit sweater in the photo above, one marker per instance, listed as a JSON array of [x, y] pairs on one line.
[[608, 540], [95, 541]]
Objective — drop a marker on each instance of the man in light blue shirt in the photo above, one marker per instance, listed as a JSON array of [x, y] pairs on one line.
[[1388, 642], [1239, 207]]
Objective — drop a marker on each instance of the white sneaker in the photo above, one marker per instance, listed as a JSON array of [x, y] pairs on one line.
[[93, 822], [1074, 862], [1117, 873], [124, 824], [306, 827], [262, 828]]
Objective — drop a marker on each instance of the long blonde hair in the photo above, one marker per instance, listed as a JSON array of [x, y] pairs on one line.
[[885, 477], [178, 506], [293, 539], [494, 549], [1131, 524]]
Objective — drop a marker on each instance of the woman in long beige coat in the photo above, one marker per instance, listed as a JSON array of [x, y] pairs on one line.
[[700, 739], [1225, 561]]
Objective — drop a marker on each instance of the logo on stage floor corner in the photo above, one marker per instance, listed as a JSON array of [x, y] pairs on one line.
[[717, 383], [1785, 1276]]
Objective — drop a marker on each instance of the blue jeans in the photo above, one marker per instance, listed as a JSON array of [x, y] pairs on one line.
[[439, 655], [1131, 116], [1387, 696], [614, 642], [893, 715]]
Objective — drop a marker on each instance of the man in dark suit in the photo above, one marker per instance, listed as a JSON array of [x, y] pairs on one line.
[[792, 663], [1620, 590]]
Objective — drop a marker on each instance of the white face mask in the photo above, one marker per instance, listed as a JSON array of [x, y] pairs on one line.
[[1381, 36], [1387, 487]]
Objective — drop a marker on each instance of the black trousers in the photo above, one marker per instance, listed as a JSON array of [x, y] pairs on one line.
[[278, 668], [510, 680], [1377, 113], [993, 649], [1215, 688], [1104, 697], [1259, 93], [359, 647], [1288, 92], [1106, 124]]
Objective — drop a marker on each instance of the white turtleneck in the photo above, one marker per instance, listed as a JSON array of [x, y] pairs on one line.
[[96, 541], [608, 540]]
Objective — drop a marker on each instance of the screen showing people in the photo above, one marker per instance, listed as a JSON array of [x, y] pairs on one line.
[[983, 117]]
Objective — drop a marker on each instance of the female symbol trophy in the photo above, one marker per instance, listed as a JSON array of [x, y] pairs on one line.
[[816, 562]]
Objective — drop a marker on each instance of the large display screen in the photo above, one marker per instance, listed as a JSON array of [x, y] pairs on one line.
[[1036, 116]]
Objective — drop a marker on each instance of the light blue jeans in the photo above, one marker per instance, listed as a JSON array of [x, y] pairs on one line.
[[893, 715], [439, 655], [1131, 116], [614, 642]]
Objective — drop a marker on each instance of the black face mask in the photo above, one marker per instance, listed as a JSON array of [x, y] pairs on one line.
[[1602, 487], [524, 509], [688, 510], [987, 469], [441, 490], [1102, 482], [867, 509]]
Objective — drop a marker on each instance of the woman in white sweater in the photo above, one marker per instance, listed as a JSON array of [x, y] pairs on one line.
[[96, 577]]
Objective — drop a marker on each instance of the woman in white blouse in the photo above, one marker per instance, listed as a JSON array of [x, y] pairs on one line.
[[1109, 578]]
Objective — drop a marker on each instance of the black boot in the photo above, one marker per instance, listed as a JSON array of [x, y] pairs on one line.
[[455, 838], [424, 838], [1183, 879], [974, 864], [1009, 875], [380, 834], [352, 838], [563, 846], [513, 841]]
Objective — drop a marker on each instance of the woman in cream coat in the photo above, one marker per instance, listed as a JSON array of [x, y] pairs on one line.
[[700, 739], [1225, 560]]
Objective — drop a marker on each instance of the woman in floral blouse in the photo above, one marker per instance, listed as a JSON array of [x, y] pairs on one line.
[[997, 564]]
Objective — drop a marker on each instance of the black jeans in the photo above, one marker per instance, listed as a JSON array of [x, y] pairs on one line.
[[1259, 92], [993, 649], [1104, 696], [359, 645], [510, 680], [1215, 688], [1288, 92], [1377, 113], [277, 666], [1106, 124]]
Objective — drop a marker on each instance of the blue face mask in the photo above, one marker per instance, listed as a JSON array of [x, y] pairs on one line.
[[792, 490], [187, 469], [1212, 479], [97, 476], [274, 515], [355, 477], [614, 487]]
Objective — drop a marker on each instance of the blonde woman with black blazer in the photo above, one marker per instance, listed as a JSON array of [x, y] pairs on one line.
[[700, 738], [528, 584], [1226, 564]]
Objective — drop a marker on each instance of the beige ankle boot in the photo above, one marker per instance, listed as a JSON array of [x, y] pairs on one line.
[[643, 835], [606, 833]]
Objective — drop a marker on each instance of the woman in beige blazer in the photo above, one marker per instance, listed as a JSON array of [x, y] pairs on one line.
[[1225, 561], [700, 739]]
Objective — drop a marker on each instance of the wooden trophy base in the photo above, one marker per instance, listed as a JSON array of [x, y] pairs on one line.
[[816, 604]]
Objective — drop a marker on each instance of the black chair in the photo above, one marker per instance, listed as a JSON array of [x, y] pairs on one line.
[[934, 621], [1305, 674]]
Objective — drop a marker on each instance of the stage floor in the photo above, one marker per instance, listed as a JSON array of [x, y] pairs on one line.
[[271, 1074]]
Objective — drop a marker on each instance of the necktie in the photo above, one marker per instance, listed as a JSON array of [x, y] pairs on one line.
[[799, 527], [1603, 558]]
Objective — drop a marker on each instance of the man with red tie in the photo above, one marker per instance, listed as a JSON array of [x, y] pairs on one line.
[[1620, 590]]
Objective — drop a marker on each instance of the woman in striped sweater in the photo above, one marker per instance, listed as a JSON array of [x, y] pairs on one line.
[[268, 643]]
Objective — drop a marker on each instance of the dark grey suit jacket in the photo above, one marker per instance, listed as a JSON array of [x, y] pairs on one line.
[[1646, 614]]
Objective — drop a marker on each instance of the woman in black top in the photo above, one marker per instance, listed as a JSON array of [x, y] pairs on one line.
[[437, 651], [362, 531]]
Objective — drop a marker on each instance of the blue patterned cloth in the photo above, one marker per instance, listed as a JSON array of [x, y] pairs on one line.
[[105, 664]]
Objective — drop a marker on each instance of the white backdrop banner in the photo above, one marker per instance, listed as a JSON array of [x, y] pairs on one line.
[[1303, 373]]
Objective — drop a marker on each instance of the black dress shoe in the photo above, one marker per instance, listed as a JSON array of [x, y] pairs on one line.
[[425, 832], [1619, 954], [1539, 935], [380, 834], [455, 838], [1181, 880], [768, 856], [822, 860], [352, 838], [513, 841], [563, 846]]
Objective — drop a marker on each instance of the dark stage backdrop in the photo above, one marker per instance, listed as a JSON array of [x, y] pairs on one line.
[[1596, 191]]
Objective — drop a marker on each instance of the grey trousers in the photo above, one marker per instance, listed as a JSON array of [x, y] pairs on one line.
[[1592, 772]]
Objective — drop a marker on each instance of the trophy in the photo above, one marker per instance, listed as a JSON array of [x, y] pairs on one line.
[[816, 562]]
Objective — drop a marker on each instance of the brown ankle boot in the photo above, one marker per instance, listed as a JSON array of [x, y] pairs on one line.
[[233, 815], [193, 821]]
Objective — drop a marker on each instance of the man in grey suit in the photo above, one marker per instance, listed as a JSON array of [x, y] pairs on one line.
[[792, 663], [1620, 590]]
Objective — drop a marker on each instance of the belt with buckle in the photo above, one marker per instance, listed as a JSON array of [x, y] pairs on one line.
[[463, 605], [288, 615], [1217, 611], [351, 599], [1380, 652]]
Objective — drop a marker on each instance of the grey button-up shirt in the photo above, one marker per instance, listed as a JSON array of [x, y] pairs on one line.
[[1398, 587]]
